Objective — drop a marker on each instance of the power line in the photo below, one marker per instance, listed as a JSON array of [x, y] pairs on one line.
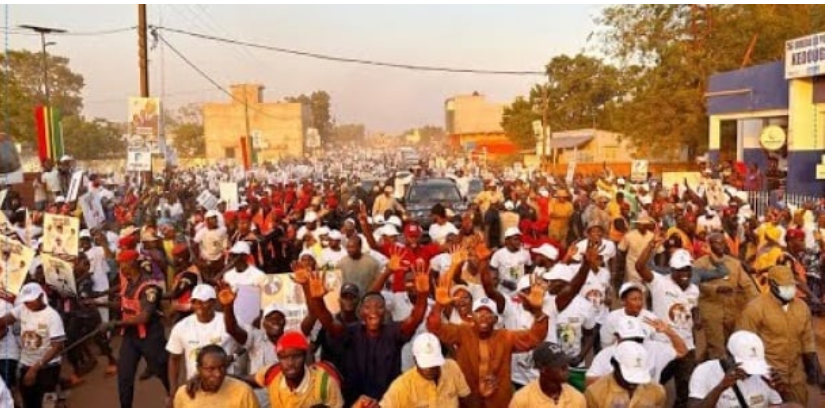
[[349, 59], [208, 78], [16, 31]]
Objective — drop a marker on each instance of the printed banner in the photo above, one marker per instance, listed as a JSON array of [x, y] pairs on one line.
[[229, 193], [639, 171], [60, 235], [59, 274], [207, 200], [74, 186], [139, 160], [145, 123], [15, 260], [283, 291], [94, 215]]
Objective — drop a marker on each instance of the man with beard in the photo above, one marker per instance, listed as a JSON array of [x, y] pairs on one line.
[[675, 301], [784, 324], [372, 348], [722, 300], [211, 387]]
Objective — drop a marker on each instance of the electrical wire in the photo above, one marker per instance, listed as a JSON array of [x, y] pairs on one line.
[[333, 58], [19, 31]]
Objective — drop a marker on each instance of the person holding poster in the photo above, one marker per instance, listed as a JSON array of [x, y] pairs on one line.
[[247, 280]]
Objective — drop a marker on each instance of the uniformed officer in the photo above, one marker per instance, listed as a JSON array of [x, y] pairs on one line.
[[141, 327], [785, 325]]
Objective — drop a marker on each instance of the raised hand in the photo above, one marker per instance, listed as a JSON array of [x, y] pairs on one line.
[[592, 255], [317, 285], [395, 258], [457, 255], [537, 293], [658, 325], [302, 273], [421, 277], [226, 295]]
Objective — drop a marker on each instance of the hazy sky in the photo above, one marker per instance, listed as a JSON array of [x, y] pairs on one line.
[[385, 99]]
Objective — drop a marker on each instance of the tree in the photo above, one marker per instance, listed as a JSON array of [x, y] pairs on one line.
[[350, 132], [320, 104], [518, 122], [95, 139], [187, 130], [668, 53], [22, 90]]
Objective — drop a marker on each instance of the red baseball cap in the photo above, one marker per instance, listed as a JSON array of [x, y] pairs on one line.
[[412, 230], [127, 255], [292, 340], [179, 248], [794, 233]]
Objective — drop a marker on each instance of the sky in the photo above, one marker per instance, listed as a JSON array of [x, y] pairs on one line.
[[384, 99]]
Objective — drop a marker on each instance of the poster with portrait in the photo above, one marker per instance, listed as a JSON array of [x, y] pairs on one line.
[[333, 280], [229, 193], [59, 274], [60, 235], [74, 186], [15, 260], [139, 160], [144, 124], [94, 215], [281, 290]]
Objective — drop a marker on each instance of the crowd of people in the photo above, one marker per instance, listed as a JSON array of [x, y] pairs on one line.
[[544, 292]]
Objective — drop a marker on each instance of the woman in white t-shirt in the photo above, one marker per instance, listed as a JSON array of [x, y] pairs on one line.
[[42, 339]]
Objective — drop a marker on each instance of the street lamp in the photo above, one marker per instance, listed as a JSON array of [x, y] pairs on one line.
[[43, 31]]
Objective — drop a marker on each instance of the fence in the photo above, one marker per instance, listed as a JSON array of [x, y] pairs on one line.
[[760, 201]]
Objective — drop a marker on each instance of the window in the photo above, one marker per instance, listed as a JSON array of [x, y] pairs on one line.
[[230, 153]]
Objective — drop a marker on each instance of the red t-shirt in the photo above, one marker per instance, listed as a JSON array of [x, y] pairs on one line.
[[408, 259]]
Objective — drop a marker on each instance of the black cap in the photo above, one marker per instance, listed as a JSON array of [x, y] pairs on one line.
[[350, 289], [548, 354]]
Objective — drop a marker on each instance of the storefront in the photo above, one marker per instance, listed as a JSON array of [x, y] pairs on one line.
[[772, 116]]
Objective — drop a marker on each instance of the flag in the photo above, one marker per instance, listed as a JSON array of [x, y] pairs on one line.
[[49, 133]]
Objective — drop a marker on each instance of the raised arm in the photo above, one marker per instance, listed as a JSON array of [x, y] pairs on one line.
[[590, 259], [314, 290], [226, 298], [410, 325]]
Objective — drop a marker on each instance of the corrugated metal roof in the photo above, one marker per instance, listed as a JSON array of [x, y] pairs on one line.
[[569, 142]]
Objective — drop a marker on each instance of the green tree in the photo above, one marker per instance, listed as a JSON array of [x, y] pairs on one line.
[[320, 104], [668, 53], [186, 128], [93, 139], [350, 132], [22, 90], [518, 122]]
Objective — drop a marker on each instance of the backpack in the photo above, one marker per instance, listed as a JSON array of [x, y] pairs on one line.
[[328, 372]]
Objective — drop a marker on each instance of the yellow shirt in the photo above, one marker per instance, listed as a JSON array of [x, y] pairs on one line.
[[232, 394], [531, 396], [308, 394], [766, 258], [410, 390], [606, 392]]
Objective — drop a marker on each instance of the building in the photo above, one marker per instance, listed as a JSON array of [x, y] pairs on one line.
[[772, 116], [278, 128], [474, 124], [591, 146]]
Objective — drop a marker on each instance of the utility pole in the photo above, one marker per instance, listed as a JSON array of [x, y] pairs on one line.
[[43, 44], [143, 76]]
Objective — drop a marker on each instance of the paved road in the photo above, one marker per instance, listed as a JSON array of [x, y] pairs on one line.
[[98, 391]]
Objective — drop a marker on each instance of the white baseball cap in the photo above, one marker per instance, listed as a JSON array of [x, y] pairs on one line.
[[509, 206], [748, 350], [548, 251], [203, 292], [335, 235], [680, 259], [630, 327], [559, 272], [212, 214], [84, 234], [632, 357], [241, 248], [60, 199], [427, 351], [486, 303], [30, 292], [511, 232], [395, 221], [629, 286], [310, 216], [388, 230]]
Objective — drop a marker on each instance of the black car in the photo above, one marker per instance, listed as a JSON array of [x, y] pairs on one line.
[[424, 193]]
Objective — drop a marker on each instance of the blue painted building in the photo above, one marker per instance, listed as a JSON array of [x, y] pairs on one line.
[[772, 116]]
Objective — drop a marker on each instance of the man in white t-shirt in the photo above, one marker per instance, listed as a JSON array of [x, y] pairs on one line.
[[247, 281], [509, 262], [212, 242], [98, 268], [42, 338], [572, 328], [675, 301], [205, 326], [441, 226], [334, 252], [714, 382]]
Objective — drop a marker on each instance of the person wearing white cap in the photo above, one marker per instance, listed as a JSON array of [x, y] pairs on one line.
[[309, 226], [510, 262], [42, 338], [743, 375], [205, 326], [675, 301], [386, 202], [547, 258], [334, 252], [211, 243], [508, 219], [573, 327], [630, 384], [632, 296], [435, 381], [244, 278]]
